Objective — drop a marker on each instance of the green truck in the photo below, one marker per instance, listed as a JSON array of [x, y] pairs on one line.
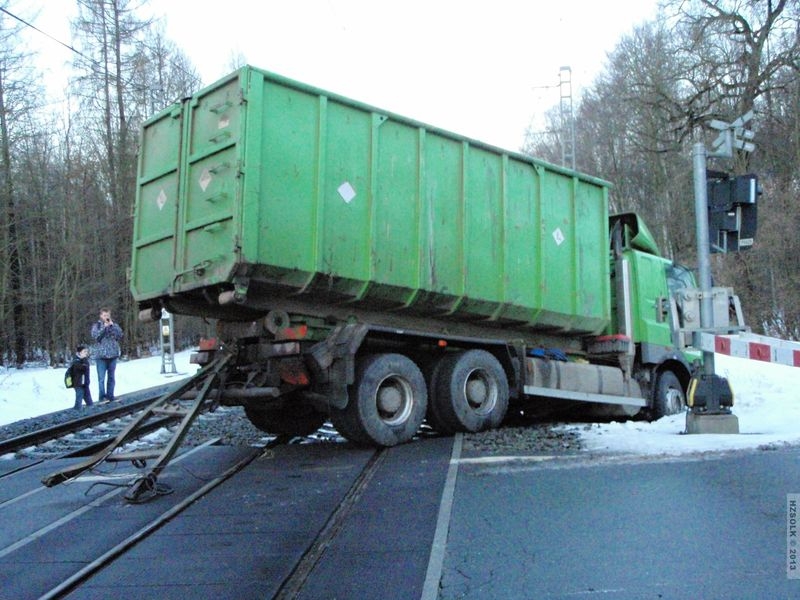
[[376, 271]]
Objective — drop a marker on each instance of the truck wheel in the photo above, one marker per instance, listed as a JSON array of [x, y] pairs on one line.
[[293, 420], [669, 397], [469, 392], [434, 415], [387, 402]]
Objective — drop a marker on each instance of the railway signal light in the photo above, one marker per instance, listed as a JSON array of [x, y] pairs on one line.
[[732, 211]]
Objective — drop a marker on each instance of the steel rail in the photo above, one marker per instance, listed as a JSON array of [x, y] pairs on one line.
[[138, 402], [89, 449], [292, 586], [86, 572]]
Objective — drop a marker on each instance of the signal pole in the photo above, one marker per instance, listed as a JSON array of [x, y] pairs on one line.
[[711, 415], [703, 246]]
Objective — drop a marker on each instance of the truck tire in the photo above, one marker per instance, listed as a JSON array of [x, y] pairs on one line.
[[387, 402], [293, 420], [669, 397], [469, 393]]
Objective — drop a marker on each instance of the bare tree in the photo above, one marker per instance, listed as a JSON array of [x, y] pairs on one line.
[[162, 74], [628, 131], [16, 105], [67, 183], [126, 71], [744, 56], [109, 34], [704, 59], [236, 60], [735, 51]]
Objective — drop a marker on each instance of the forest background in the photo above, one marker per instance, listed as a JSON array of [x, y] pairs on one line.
[[68, 178]]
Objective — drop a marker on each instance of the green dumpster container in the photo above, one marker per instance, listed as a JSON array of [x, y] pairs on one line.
[[265, 185]]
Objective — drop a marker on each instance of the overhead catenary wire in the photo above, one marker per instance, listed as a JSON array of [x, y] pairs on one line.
[[93, 62], [47, 35]]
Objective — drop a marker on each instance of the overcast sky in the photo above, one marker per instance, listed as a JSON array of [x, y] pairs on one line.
[[477, 68]]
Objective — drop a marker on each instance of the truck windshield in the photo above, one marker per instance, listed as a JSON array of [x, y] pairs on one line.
[[679, 277]]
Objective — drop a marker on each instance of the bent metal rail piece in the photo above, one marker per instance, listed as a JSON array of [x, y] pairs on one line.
[[143, 487]]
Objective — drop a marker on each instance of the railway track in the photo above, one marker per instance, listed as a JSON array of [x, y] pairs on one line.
[[241, 523], [113, 547], [83, 435], [319, 486], [293, 584]]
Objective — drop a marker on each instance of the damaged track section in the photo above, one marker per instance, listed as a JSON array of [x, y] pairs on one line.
[[200, 389]]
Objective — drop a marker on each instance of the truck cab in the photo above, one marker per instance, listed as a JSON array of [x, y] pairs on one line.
[[657, 304]]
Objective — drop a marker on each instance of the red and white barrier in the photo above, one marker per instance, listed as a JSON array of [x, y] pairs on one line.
[[753, 347]]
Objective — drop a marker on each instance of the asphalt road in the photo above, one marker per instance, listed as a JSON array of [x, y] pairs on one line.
[[431, 523], [703, 527]]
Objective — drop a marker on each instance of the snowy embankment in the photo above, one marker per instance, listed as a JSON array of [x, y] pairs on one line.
[[766, 402], [33, 392]]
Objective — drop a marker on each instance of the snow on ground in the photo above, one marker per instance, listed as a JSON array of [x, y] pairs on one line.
[[766, 402], [32, 392]]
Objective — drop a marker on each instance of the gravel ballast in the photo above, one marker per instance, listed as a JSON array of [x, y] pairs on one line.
[[232, 428]]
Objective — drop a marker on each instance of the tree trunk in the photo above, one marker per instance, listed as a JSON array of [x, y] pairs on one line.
[[14, 293]]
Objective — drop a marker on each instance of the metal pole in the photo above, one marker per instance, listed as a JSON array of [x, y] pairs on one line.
[[167, 344], [567, 118], [703, 247], [709, 417]]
